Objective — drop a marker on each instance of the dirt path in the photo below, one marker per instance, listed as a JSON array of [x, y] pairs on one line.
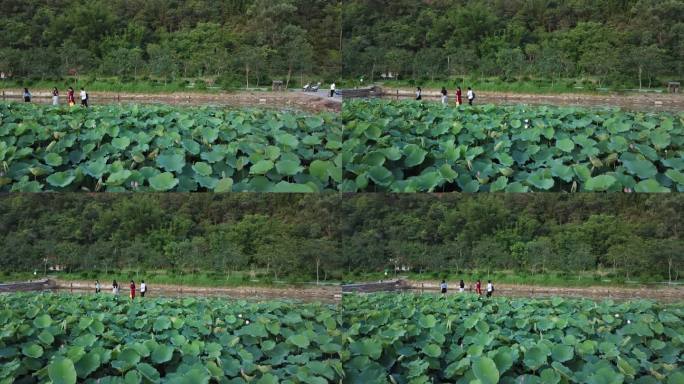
[[648, 102], [666, 294], [295, 100], [332, 294], [308, 293]]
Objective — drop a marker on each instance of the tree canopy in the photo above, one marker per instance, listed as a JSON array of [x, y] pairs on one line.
[[225, 40], [611, 40], [630, 235]]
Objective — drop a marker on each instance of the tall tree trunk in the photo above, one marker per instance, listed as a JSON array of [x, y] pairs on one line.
[[318, 264], [289, 73], [247, 75], [640, 70]]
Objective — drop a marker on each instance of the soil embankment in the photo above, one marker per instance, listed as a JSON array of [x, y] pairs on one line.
[[309, 102], [660, 293], [332, 294], [628, 101], [306, 293]]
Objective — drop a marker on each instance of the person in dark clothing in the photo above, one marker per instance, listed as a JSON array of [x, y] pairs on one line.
[[27, 95], [443, 287], [445, 100], [461, 286], [419, 94]]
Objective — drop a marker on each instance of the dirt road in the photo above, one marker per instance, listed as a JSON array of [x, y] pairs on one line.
[[309, 102], [308, 293], [645, 102], [665, 294]]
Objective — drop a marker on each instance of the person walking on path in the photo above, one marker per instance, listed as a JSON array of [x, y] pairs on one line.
[[478, 287], [471, 96], [27, 95], [132, 290], [97, 286], [419, 94], [70, 97], [143, 288], [55, 96], [461, 286], [84, 98], [444, 96], [332, 90], [443, 287], [459, 96], [115, 288], [490, 288]]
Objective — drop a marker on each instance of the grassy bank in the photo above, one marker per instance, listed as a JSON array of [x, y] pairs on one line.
[[548, 279], [200, 279], [515, 85], [138, 85]]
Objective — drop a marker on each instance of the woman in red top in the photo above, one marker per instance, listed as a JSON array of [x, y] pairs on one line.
[[132, 290], [459, 98], [478, 288], [70, 97]]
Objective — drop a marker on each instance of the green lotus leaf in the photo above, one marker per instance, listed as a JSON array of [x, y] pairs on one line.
[[121, 143], [565, 145], [171, 161], [202, 168], [32, 350], [53, 159], [414, 155], [261, 167], [61, 371], [163, 182], [485, 370], [61, 179], [224, 185], [600, 183]]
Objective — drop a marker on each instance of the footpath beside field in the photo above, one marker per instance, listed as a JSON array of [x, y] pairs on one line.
[[333, 293], [661, 293], [308, 293], [310, 102], [633, 101]]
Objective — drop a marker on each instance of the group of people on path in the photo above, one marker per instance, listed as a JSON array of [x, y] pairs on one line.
[[71, 99], [116, 288], [478, 287], [470, 95]]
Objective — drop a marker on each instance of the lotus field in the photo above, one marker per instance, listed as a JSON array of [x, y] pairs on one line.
[[382, 338], [460, 339], [165, 148], [407, 146], [96, 339]]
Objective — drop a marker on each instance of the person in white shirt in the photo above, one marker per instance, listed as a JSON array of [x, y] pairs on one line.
[[332, 90], [97, 286], [143, 288], [471, 96], [490, 288], [443, 287], [84, 98], [445, 100]]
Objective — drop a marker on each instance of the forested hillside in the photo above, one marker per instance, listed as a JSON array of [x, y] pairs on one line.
[[628, 235], [169, 39], [612, 41]]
